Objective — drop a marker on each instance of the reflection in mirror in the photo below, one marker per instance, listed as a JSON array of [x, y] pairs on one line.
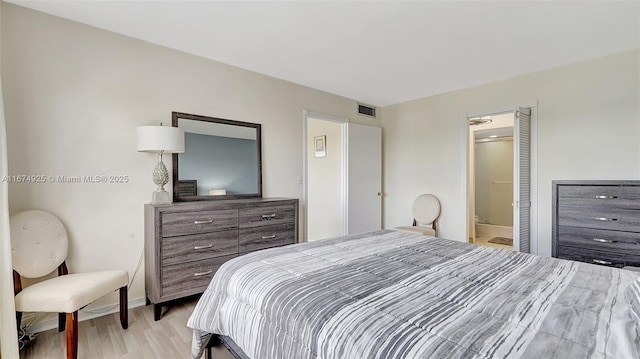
[[221, 159]]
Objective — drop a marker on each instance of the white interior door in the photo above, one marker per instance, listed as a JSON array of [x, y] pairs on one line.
[[522, 181], [363, 180]]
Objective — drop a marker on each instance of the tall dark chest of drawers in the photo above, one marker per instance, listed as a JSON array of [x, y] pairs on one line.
[[185, 243], [597, 222]]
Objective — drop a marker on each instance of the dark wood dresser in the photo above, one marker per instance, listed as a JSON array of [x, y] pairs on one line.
[[597, 222], [185, 243]]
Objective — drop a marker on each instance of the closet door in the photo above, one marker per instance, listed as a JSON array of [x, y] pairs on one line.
[[522, 177], [363, 180]]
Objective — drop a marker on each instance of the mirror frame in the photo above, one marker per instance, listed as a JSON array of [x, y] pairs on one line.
[[174, 121]]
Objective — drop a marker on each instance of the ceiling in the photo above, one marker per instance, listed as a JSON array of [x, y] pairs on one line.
[[376, 52]]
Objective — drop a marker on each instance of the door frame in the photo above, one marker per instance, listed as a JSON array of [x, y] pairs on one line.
[[533, 105], [307, 114]]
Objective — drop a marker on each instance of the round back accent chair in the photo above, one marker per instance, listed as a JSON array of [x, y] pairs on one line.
[[426, 210], [39, 245]]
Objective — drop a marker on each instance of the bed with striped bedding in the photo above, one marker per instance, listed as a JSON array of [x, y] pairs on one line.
[[390, 294]]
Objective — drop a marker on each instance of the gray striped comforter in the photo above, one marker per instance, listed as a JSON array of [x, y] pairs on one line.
[[391, 294]]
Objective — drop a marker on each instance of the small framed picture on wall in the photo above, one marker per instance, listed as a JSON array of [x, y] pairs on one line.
[[320, 145]]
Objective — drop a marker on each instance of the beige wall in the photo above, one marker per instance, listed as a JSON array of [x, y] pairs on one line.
[[74, 96], [8, 335], [324, 183], [588, 128]]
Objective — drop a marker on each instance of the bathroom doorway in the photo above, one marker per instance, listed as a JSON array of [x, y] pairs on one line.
[[491, 162], [524, 203]]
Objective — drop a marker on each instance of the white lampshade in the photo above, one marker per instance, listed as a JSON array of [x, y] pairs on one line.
[[160, 138]]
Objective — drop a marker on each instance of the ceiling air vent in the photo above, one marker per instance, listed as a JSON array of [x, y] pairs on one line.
[[366, 110]]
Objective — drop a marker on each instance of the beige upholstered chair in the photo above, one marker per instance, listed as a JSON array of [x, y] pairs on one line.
[[426, 210], [39, 245]]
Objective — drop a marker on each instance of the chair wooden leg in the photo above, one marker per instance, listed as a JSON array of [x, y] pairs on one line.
[[72, 335], [124, 308], [62, 318], [18, 319]]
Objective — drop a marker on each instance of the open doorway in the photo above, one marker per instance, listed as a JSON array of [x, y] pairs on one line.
[[491, 179], [342, 177], [325, 178], [524, 194]]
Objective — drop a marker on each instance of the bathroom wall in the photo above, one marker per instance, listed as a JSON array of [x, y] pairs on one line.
[[494, 182]]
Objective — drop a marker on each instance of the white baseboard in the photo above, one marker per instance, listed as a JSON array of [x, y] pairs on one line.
[[82, 316]]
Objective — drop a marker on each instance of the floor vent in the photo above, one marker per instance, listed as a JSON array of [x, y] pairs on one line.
[[367, 110]]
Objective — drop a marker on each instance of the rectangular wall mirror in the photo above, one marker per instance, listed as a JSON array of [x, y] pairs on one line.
[[222, 159]]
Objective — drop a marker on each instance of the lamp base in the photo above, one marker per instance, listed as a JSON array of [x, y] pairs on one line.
[[161, 197]]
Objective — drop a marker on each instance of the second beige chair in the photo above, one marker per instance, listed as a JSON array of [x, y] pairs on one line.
[[426, 210]]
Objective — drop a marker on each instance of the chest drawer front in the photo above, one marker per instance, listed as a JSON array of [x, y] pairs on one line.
[[190, 277], [600, 192], [198, 246], [598, 239], [594, 256], [600, 196], [255, 238], [178, 224], [599, 218], [268, 215]]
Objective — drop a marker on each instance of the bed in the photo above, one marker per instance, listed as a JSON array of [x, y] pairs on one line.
[[391, 294]]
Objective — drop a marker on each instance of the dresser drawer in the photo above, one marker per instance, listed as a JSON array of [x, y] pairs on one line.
[[255, 238], [598, 239], [600, 196], [198, 246], [613, 219], [594, 256], [190, 277], [267, 215], [178, 224]]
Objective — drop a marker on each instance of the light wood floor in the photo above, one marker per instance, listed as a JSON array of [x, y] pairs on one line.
[[103, 337]]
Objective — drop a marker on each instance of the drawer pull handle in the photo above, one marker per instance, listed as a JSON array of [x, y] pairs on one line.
[[208, 272], [606, 197], [605, 219], [601, 262], [267, 216], [601, 240], [203, 247], [269, 237], [209, 221]]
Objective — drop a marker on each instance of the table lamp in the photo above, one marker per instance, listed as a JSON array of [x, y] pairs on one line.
[[160, 140]]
